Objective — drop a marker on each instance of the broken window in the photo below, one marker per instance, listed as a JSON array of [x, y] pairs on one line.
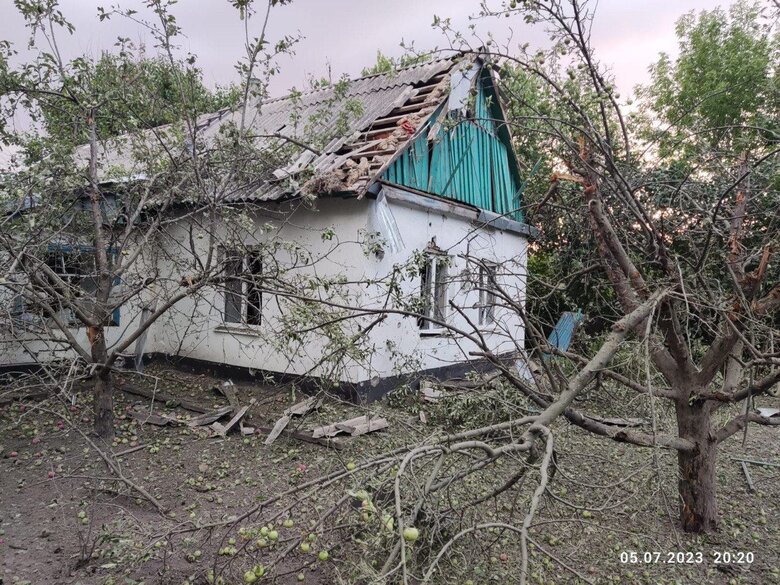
[[487, 293], [243, 290], [433, 293]]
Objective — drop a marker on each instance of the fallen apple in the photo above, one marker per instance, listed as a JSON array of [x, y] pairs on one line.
[[250, 577], [288, 523], [411, 534], [305, 547], [351, 466], [273, 535], [323, 555], [387, 522]]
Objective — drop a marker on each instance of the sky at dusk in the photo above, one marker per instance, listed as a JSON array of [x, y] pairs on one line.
[[345, 35]]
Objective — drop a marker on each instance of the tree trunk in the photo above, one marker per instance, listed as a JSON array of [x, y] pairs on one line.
[[104, 401], [104, 405], [697, 485], [104, 386]]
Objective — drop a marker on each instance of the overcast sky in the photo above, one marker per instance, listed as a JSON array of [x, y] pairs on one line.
[[346, 34]]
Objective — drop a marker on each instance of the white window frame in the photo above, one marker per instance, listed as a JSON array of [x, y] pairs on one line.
[[244, 289], [486, 286], [434, 294]]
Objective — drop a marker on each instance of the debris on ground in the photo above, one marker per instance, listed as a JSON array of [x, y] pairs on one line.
[[749, 479], [209, 417], [300, 409], [162, 397], [768, 412], [355, 427], [145, 416], [222, 430]]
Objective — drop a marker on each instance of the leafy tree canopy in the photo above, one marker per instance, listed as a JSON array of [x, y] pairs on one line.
[[385, 64], [722, 92], [137, 93]]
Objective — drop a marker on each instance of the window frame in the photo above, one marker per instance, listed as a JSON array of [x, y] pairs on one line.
[[434, 292], [244, 294], [487, 287], [76, 279]]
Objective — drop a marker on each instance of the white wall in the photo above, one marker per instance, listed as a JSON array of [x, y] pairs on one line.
[[460, 238], [207, 338], [194, 328]]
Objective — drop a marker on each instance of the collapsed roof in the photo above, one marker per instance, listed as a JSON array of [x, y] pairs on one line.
[[363, 141]]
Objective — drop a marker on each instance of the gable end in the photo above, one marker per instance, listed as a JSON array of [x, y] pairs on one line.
[[463, 152]]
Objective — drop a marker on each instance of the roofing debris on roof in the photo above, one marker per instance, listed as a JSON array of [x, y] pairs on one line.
[[392, 107]]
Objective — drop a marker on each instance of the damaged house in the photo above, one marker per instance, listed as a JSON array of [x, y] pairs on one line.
[[415, 195]]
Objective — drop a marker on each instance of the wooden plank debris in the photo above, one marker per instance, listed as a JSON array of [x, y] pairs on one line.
[[357, 426], [749, 480], [371, 425], [164, 398], [223, 430], [755, 462], [298, 409], [143, 416], [277, 429], [24, 397], [229, 392], [332, 430], [333, 443], [430, 394], [209, 417], [303, 407]]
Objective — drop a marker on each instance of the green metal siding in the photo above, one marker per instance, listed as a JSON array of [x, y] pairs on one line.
[[468, 160]]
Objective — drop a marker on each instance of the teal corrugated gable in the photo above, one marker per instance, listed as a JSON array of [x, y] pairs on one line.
[[468, 161]]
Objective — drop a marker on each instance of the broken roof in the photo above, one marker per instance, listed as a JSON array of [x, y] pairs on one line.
[[385, 111]]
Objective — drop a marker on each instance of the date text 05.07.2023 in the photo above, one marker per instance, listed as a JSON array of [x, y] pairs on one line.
[[633, 557]]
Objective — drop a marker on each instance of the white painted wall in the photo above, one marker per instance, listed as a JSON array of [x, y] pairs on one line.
[[459, 237], [194, 328]]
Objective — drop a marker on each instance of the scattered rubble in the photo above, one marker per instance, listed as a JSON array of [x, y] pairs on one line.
[[299, 409]]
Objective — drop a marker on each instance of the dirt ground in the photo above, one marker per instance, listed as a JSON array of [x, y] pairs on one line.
[[65, 519]]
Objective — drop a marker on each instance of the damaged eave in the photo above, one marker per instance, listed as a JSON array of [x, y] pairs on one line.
[[408, 197]]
